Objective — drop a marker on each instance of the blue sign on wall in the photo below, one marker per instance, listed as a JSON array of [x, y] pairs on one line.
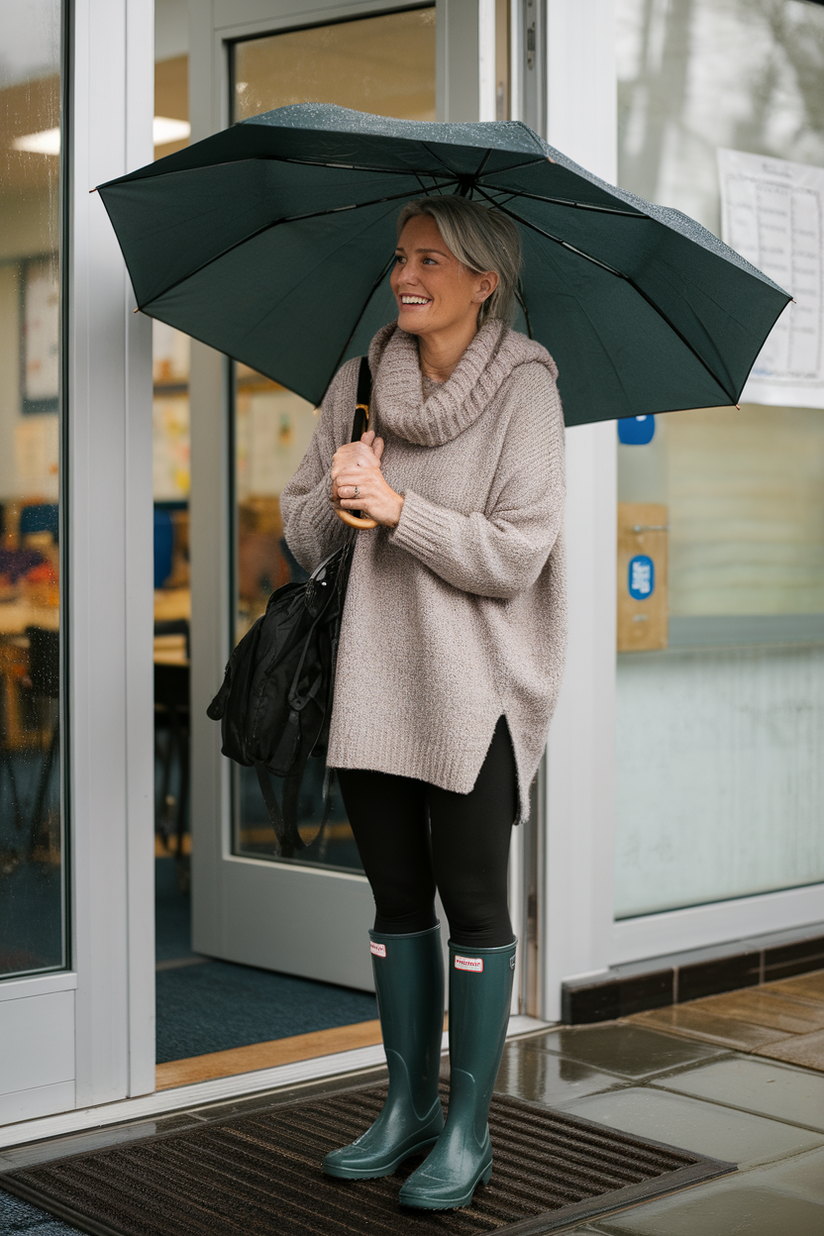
[[636, 430], [641, 577]]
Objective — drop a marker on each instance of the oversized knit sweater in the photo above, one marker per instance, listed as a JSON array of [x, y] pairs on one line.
[[458, 614]]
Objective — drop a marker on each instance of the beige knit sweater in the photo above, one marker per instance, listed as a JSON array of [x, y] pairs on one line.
[[457, 615]]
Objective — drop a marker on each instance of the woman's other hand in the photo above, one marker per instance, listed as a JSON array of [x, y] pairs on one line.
[[357, 466]]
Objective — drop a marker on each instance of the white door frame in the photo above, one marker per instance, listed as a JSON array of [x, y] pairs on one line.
[[85, 1035], [110, 570]]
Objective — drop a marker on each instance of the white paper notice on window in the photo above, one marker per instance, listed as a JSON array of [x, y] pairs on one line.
[[772, 213]]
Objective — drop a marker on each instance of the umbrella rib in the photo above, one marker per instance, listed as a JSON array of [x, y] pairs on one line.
[[521, 299], [570, 202], [435, 155], [516, 167], [268, 227], [355, 167], [483, 162], [270, 158], [378, 281], [627, 279], [419, 177]]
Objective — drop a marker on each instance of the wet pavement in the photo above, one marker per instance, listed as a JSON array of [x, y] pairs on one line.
[[720, 1075], [782, 1020], [688, 1080]]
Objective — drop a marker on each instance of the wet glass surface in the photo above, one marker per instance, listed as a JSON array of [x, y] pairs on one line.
[[720, 675], [32, 845]]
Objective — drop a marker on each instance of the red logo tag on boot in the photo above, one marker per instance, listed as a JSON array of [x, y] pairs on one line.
[[377, 950], [473, 964]]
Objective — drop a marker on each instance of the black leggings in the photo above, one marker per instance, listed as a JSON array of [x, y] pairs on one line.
[[413, 837]]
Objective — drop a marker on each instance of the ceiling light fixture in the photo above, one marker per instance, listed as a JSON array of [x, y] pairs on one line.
[[47, 141]]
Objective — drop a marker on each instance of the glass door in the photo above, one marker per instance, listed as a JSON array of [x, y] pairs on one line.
[[306, 915], [33, 936]]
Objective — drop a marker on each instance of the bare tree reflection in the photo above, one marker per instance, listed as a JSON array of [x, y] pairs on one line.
[[698, 74]]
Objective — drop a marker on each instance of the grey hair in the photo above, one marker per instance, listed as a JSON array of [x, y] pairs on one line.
[[482, 239]]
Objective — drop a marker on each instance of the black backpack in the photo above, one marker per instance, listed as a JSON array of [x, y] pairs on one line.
[[275, 703]]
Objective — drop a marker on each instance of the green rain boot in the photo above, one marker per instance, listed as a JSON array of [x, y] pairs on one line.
[[480, 988], [409, 986]]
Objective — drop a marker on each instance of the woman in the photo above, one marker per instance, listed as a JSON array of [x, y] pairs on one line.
[[449, 665]]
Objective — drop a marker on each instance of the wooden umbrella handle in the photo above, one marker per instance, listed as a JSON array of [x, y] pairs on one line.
[[355, 521]]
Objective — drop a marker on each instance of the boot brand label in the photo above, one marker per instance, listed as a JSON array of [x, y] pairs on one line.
[[377, 950], [475, 964]]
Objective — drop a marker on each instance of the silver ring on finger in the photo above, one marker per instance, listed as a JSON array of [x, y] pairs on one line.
[[356, 491]]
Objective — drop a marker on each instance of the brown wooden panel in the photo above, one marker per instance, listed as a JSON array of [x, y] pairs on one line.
[[267, 1055], [642, 625]]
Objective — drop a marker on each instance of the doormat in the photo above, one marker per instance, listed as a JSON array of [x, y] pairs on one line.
[[260, 1175]]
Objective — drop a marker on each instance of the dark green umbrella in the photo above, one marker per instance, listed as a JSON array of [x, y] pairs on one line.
[[272, 241]]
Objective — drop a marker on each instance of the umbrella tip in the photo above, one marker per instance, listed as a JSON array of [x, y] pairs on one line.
[[738, 405], [137, 310], [94, 190]]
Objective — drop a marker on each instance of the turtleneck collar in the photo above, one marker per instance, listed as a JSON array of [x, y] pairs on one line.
[[453, 405]]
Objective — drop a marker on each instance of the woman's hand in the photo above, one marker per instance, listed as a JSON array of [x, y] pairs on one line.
[[357, 467]]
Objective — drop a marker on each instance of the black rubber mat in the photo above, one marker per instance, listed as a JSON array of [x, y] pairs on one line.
[[259, 1175]]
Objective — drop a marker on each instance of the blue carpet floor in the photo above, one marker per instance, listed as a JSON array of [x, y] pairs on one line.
[[218, 1005], [17, 1216], [173, 931]]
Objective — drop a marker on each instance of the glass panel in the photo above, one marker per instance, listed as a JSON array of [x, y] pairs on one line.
[[394, 75], [720, 677], [171, 469], [32, 845]]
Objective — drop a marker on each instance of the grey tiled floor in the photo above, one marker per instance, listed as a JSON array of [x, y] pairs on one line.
[[766, 1116]]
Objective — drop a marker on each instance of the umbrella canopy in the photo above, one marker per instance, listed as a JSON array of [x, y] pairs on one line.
[[273, 240]]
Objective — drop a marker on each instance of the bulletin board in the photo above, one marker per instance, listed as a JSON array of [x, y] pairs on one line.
[[40, 335]]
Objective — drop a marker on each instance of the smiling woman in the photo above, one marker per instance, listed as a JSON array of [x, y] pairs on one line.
[[451, 647], [444, 292], [483, 242]]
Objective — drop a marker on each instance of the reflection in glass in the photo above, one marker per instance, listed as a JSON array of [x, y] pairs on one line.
[[382, 64], [171, 477], [32, 911], [719, 735]]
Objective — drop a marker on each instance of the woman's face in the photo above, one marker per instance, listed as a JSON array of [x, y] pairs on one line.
[[435, 292]]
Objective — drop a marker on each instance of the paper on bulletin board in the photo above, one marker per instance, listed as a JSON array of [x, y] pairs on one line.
[[772, 213], [36, 456], [41, 332], [171, 467]]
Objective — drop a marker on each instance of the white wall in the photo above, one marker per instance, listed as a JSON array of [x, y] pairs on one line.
[[581, 121]]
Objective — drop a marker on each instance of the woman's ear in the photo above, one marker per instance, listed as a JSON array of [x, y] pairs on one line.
[[486, 286]]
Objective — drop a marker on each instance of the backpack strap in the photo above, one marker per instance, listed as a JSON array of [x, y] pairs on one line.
[[283, 822]]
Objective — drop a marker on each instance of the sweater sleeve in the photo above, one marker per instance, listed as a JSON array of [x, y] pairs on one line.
[[502, 550], [310, 525]]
